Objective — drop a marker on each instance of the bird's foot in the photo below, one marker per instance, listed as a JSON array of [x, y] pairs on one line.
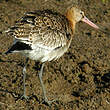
[[48, 102], [24, 96], [21, 97]]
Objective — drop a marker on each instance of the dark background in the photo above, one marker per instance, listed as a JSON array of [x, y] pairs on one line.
[[80, 80]]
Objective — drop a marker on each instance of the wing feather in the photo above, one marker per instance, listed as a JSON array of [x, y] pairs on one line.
[[43, 29]]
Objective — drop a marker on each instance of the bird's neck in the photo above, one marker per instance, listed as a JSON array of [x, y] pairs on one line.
[[70, 16]]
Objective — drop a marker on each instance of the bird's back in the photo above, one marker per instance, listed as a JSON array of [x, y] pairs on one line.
[[42, 30]]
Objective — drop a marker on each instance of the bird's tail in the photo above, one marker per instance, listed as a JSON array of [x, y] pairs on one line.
[[8, 51], [17, 47]]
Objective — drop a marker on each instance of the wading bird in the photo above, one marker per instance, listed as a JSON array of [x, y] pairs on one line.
[[45, 36]]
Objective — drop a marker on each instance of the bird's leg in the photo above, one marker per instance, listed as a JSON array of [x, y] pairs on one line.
[[42, 85], [24, 78]]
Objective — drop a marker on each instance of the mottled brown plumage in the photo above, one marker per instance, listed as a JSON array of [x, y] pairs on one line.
[[45, 36], [47, 29]]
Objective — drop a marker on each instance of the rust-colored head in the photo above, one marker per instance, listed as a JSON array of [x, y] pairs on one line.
[[75, 15]]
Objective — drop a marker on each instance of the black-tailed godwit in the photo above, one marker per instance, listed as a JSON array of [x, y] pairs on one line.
[[44, 36]]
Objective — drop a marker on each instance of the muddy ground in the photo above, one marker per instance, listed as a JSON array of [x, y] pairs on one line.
[[79, 80]]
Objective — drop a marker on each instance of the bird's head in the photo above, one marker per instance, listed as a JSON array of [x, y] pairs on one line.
[[75, 15]]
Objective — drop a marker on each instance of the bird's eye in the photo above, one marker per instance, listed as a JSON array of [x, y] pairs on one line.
[[82, 13]]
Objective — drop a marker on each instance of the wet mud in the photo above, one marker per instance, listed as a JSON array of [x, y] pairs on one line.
[[79, 80]]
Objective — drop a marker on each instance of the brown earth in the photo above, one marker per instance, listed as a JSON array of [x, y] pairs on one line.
[[80, 80]]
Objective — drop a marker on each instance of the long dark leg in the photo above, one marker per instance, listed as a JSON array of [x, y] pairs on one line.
[[24, 78], [42, 85], [41, 82]]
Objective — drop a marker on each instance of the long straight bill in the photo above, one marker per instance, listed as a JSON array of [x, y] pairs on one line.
[[86, 20]]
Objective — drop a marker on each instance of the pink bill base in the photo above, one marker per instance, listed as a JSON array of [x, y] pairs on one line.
[[86, 20]]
